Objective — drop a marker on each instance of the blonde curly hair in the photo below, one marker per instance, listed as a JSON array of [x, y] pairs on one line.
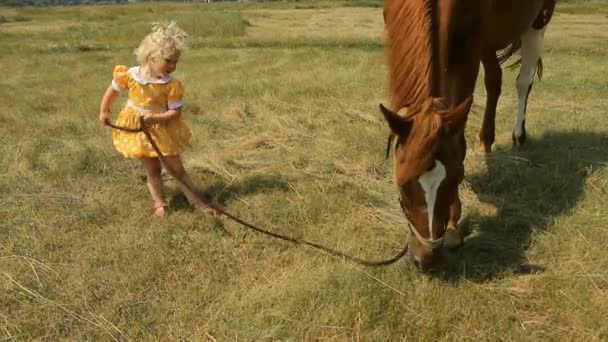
[[166, 40]]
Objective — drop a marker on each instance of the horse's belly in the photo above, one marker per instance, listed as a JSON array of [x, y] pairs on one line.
[[508, 20]]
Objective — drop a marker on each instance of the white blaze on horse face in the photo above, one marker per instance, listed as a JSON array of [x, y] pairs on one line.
[[430, 182]]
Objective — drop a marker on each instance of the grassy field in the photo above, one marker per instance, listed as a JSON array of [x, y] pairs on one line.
[[283, 101]]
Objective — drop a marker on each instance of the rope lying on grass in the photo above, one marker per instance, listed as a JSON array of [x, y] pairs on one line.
[[221, 211]]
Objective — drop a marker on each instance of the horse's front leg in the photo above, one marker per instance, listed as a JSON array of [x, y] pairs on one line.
[[493, 83], [453, 237]]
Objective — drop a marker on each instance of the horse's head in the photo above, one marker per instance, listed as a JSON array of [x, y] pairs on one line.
[[429, 156]]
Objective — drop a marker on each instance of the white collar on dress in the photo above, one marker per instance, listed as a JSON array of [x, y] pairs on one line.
[[134, 72]]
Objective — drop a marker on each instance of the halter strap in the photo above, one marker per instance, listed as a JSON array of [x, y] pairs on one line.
[[428, 243]]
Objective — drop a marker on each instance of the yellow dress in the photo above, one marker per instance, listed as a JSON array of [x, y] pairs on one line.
[[172, 137]]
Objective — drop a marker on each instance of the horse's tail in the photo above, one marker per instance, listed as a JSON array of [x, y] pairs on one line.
[[506, 53], [542, 20]]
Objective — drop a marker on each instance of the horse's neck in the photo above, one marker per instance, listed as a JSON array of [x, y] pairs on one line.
[[460, 40]]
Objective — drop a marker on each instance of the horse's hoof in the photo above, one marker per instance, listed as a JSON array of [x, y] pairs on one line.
[[518, 143], [484, 148]]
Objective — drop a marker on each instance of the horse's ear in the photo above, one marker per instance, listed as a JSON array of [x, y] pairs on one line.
[[396, 122], [457, 117]]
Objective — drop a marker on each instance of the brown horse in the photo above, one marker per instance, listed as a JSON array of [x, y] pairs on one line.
[[434, 49]]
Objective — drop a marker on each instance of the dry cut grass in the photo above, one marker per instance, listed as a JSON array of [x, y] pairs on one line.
[[282, 99]]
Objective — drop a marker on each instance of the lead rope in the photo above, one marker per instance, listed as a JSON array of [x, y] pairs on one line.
[[221, 211]]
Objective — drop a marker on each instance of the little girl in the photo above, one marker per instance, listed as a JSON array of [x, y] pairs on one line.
[[155, 96]]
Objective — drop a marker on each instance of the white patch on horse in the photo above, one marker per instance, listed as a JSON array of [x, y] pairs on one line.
[[532, 43], [430, 182]]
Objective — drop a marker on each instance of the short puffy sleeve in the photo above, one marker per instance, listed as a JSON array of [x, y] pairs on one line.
[[120, 78], [176, 95]]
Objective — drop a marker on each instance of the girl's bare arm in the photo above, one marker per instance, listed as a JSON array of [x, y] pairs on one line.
[[169, 115], [106, 104]]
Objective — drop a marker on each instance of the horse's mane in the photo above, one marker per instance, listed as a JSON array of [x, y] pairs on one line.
[[408, 28]]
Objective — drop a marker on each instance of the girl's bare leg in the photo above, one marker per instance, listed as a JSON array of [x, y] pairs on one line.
[[176, 166], [155, 184]]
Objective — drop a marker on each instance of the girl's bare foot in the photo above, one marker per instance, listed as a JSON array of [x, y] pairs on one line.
[[159, 210], [204, 207]]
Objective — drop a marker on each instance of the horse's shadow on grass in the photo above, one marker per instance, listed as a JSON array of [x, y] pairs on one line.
[[530, 188]]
